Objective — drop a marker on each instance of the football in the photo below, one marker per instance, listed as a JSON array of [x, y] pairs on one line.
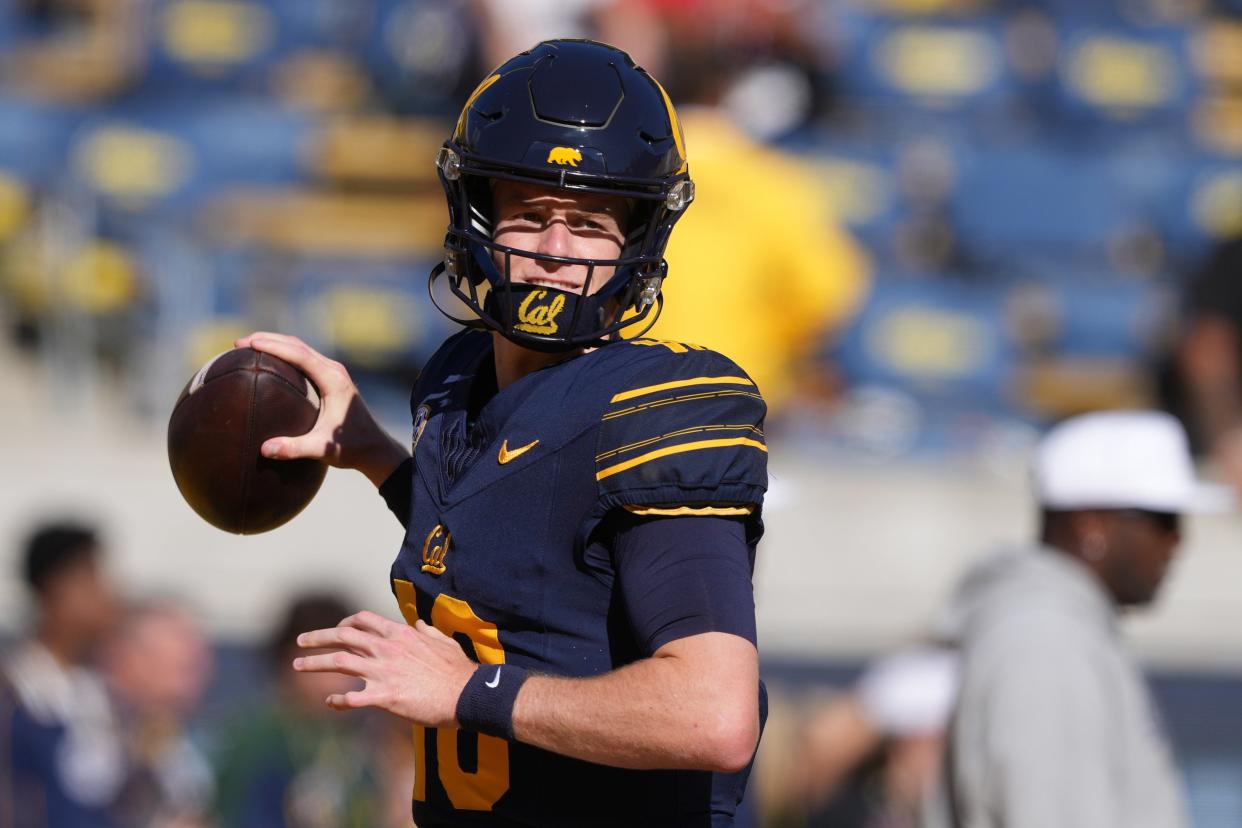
[[235, 402]]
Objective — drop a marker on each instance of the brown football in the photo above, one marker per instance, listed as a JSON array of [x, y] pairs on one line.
[[226, 411]]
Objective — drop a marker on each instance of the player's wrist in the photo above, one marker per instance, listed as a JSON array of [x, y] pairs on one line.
[[379, 461], [486, 702]]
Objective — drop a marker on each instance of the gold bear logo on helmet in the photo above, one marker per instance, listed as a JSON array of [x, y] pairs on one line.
[[564, 155]]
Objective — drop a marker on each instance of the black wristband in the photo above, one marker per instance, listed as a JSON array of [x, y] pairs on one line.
[[486, 702]]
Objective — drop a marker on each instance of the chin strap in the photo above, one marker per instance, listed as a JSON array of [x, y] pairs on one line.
[[548, 319]]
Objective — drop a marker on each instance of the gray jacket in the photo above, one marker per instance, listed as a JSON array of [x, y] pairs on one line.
[[1053, 727]]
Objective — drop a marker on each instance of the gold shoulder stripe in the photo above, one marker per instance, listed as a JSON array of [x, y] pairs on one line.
[[678, 449], [696, 511], [664, 386], [663, 401], [680, 433]]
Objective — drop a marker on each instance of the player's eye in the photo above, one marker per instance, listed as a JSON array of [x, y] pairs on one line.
[[524, 216], [590, 222]]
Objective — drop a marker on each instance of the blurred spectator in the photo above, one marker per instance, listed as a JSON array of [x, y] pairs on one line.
[[1209, 361], [760, 271], [292, 763], [157, 665], [61, 758], [868, 759], [510, 26], [1054, 724], [88, 49]]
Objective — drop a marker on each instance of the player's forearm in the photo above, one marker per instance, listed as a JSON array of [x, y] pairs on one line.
[[660, 712], [381, 457]]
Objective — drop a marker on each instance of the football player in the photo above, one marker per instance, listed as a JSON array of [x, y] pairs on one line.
[[581, 509]]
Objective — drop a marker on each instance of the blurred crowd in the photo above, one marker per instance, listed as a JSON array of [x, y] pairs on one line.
[[925, 226], [102, 718]]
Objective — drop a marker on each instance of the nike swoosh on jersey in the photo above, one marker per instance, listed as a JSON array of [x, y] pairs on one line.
[[507, 456]]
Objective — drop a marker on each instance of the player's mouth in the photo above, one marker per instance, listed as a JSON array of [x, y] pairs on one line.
[[559, 284]]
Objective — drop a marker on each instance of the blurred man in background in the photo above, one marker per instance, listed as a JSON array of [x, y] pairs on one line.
[[290, 763], [157, 666], [1209, 360], [61, 755], [1054, 725]]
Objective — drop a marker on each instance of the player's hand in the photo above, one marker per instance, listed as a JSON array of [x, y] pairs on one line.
[[415, 672], [346, 435]]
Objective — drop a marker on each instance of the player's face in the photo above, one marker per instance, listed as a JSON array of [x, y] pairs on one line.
[[557, 223], [81, 598], [1147, 542]]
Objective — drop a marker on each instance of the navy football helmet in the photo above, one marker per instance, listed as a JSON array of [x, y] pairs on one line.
[[581, 117]]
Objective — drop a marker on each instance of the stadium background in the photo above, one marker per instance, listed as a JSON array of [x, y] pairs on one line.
[[1032, 184]]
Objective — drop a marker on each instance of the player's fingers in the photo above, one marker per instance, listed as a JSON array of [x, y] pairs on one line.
[[327, 374], [425, 628], [352, 700], [247, 340], [321, 442], [313, 445], [368, 621], [337, 662], [337, 637]]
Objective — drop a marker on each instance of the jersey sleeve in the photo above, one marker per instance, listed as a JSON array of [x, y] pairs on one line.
[[683, 436], [682, 577]]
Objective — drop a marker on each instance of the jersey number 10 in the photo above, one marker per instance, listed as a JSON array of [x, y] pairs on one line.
[[475, 790]]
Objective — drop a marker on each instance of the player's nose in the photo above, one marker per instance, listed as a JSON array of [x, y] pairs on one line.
[[555, 239]]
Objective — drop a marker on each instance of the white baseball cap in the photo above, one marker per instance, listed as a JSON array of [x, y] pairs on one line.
[[1122, 460], [910, 692]]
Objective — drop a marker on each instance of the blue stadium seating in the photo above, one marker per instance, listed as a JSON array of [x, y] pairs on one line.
[[34, 137], [943, 341], [1122, 77], [151, 157], [1016, 202]]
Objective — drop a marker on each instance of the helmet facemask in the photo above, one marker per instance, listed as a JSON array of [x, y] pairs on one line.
[[542, 317]]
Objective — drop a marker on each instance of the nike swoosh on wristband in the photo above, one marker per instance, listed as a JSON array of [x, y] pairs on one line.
[[495, 680]]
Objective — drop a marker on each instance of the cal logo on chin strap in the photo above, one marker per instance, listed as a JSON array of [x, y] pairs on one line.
[[564, 155], [539, 318]]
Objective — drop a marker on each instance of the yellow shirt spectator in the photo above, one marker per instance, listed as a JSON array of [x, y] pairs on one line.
[[757, 268]]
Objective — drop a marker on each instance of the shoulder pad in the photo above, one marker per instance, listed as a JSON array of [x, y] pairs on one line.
[[456, 355], [682, 434]]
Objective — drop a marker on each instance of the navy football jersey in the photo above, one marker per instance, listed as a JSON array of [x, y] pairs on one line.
[[501, 550]]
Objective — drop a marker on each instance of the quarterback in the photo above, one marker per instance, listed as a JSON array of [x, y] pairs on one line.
[[581, 509]]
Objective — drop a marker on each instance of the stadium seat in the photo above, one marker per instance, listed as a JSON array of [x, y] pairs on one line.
[[370, 313], [1205, 207], [165, 155], [197, 45], [940, 340], [35, 136], [1012, 203], [925, 68], [1125, 76]]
